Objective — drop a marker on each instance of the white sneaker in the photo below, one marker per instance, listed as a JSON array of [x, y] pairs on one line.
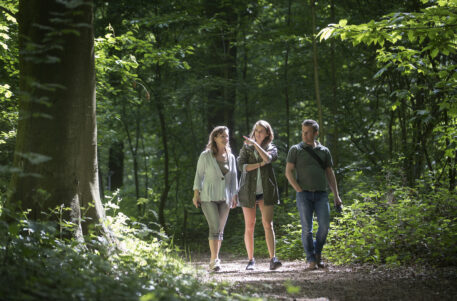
[[215, 265]]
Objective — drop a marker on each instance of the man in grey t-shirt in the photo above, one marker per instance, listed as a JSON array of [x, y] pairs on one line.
[[310, 184]]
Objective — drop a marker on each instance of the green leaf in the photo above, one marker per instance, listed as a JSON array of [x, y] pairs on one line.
[[343, 22]]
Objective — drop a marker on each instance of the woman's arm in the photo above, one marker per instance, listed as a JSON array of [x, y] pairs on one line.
[[242, 161], [266, 157], [198, 180]]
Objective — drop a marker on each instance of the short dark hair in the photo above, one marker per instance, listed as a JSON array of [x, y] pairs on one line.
[[312, 123]]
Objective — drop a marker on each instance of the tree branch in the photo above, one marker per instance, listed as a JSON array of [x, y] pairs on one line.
[[7, 11]]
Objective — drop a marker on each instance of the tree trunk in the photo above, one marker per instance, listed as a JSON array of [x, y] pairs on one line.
[[163, 133], [316, 73], [56, 148], [116, 166], [286, 90], [334, 105], [222, 59]]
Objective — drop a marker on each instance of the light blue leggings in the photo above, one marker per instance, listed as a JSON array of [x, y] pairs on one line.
[[216, 214]]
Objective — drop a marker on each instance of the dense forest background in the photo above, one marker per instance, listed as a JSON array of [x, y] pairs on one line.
[[379, 77]]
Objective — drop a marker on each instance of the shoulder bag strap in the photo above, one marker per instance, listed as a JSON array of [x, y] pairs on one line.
[[314, 155]]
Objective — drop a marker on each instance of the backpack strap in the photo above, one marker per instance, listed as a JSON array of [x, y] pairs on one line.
[[314, 155]]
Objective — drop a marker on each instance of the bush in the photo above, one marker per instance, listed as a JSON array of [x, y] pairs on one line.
[[39, 265], [390, 224], [400, 227]]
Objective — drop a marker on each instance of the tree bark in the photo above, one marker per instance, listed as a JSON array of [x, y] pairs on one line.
[[116, 165], [286, 89], [222, 68], [56, 148], [316, 73]]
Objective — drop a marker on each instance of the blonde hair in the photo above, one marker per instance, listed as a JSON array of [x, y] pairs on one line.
[[214, 133], [270, 135]]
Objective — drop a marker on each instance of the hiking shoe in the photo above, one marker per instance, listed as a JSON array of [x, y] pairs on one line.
[[215, 265], [319, 262], [251, 264], [311, 266], [275, 263]]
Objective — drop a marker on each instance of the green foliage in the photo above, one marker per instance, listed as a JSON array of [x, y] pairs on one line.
[[9, 82], [38, 265], [384, 222], [399, 227]]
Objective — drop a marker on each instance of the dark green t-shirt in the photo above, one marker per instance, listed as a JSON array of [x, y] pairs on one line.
[[309, 174]]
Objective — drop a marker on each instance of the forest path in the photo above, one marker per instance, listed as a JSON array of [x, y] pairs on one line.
[[293, 282]]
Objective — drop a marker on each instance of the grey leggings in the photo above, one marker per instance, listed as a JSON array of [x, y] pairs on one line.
[[216, 214]]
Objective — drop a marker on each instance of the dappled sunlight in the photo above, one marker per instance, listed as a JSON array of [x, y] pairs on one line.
[[360, 282]]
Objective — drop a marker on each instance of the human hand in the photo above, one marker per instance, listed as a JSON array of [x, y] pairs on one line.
[[338, 204], [196, 200], [234, 202], [248, 141]]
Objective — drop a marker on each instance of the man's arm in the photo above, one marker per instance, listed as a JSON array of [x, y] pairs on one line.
[[290, 177], [333, 185]]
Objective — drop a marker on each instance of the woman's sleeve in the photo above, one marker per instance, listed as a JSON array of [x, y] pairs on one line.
[[273, 152], [200, 173], [242, 159], [234, 181]]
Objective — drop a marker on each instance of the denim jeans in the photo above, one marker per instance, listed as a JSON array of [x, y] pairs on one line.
[[307, 203]]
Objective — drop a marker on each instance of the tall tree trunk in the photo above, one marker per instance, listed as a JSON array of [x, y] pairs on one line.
[[100, 179], [286, 89], [116, 166], [316, 73], [334, 104], [245, 86], [163, 132], [222, 96], [56, 147]]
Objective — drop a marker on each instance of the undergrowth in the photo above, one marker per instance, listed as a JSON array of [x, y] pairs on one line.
[[135, 264], [385, 224]]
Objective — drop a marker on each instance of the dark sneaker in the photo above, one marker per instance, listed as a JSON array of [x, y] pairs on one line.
[[275, 263], [250, 265], [319, 262]]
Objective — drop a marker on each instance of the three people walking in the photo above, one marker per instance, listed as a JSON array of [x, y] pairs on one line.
[[216, 188]]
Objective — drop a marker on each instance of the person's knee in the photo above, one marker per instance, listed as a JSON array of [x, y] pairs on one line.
[[216, 235], [249, 224], [267, 225]]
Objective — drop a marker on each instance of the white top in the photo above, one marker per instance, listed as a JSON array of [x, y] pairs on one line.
[[212, 184], [259, 188]]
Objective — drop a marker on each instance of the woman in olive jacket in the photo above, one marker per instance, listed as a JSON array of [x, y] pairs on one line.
[[258, 186]]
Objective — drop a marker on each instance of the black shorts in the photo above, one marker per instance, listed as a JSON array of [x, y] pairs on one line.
[[258, 198]]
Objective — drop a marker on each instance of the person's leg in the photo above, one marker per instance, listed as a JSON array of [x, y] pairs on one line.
[[267, 222], [223, 212], [211, 213], [322, 208], [305, 208], [249, 224]]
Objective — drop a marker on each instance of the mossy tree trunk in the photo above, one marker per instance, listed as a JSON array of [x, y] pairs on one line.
[[56, 150]]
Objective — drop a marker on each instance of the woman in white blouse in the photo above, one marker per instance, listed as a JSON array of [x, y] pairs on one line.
[[215, 188]]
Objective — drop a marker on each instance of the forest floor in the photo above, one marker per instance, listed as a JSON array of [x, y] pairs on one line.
[[355, 282]]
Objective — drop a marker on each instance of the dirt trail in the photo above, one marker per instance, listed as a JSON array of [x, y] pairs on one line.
[[293, 282]]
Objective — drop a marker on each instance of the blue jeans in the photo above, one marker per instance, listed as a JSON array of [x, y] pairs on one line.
[[307, 203]]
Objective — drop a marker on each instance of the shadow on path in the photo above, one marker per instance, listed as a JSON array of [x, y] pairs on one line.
[[293, 282]]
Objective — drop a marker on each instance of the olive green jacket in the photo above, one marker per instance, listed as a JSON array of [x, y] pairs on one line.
[[248, 181]]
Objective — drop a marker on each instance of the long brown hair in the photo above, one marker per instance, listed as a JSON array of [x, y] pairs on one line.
[[270, 135], [212, 144]]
